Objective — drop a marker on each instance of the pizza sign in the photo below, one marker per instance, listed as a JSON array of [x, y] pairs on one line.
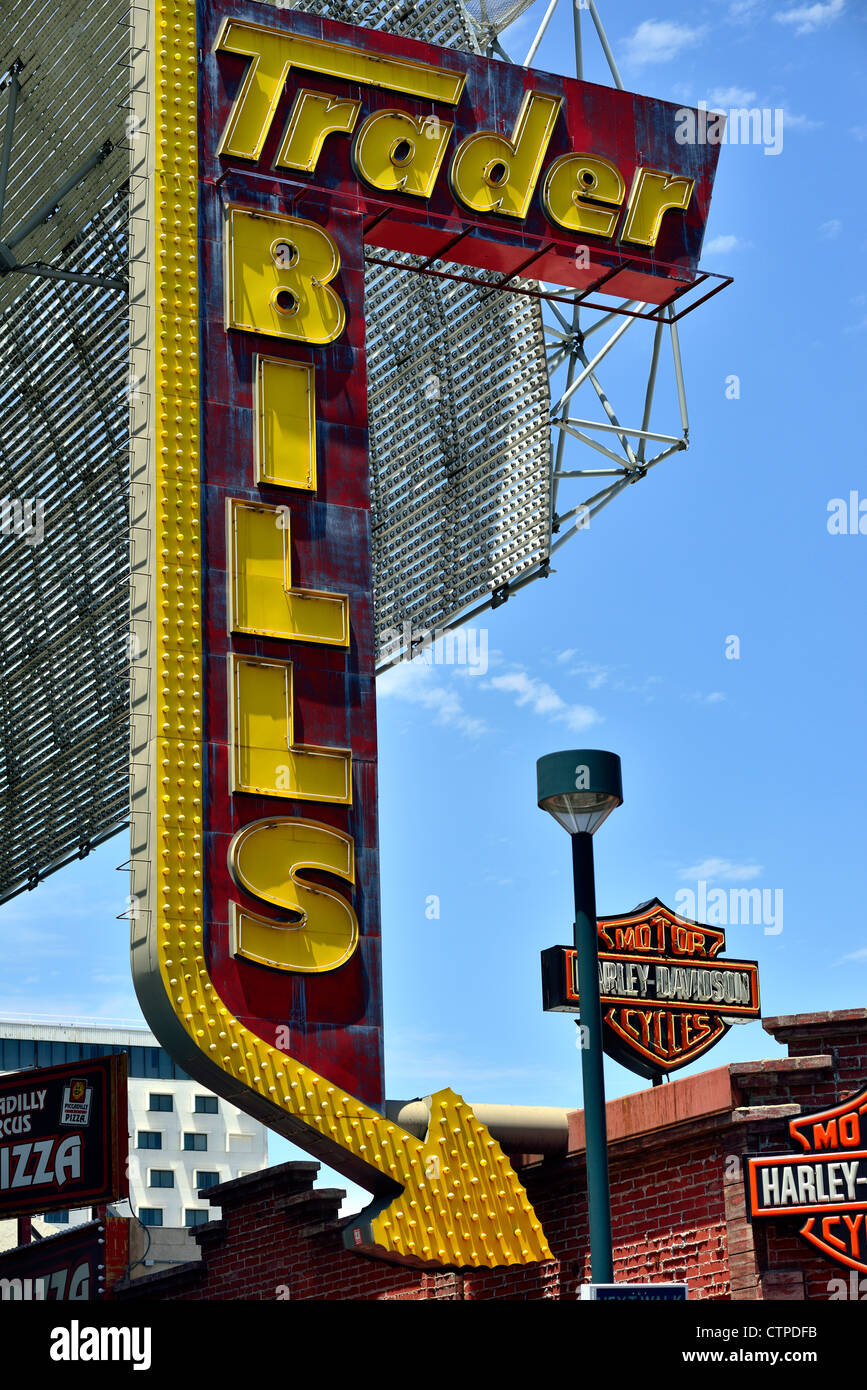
[[667, 994]]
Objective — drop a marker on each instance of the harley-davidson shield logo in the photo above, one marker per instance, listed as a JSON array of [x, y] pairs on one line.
[[827, 1183], [667, 996]]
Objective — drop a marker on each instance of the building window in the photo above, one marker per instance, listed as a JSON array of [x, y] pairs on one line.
[[150, 1139], [159, 1100], [195, 1142], [205, 1179], [196, 1216], [56, 1218], [207, 1105], [161, 1177], [150, 1216]]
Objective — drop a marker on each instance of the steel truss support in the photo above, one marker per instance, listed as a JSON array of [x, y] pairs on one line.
[[632, 463], [8, 262], [571, 318], [630, 449]]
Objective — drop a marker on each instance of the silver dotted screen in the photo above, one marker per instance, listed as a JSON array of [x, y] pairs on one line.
[[460, 452]]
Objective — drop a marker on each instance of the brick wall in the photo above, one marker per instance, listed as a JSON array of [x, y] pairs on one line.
[[676, 1191]]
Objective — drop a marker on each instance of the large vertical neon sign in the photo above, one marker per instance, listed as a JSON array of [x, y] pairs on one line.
[[277, 144]]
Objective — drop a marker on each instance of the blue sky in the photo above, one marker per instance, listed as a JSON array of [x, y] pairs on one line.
[[741, 773]]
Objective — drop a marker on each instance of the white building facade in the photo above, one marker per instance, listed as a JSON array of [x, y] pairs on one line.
[[182, 1138]]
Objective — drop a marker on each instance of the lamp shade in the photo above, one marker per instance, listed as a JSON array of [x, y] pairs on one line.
[[580, 788]]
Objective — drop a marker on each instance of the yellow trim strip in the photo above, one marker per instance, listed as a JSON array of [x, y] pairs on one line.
[[461, 1201]]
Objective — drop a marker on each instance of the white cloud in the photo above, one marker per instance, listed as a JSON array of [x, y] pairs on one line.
[[859, 955], [742, 9], [568, 654], [595, 676], [830, 230], [723, 98], [544, 700], [414, 682], [807, 18], [721, 869], [792, 121], [713, 697], [420, 684], [719, 245], [660, 40]]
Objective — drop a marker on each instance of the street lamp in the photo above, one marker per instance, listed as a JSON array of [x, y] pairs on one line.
[[580, 789]]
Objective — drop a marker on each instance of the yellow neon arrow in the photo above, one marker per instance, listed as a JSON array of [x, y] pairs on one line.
[[461, 1201]]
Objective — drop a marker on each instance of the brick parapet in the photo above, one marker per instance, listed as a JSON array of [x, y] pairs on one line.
[[678, 1208]]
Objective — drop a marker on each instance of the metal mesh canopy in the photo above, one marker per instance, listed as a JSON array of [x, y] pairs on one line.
[[460, 451], [460, 438], [493, 16], [63, 553], [74, 77]]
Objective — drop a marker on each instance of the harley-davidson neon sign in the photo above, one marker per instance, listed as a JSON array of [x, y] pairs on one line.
[[826, 1182], [667, 993]]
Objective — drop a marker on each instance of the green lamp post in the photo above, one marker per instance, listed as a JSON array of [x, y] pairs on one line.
[[580, 789]]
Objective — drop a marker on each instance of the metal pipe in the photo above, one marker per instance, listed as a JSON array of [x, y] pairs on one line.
[[540, 34], [530, 1129], [47, 207], [561, 444], [557, 356], [615, 313], [606, 47], [608, 496], [623, 429], [678, 374], [576, 26], [666, 453], [12, 102], [651, 386], [592, 504], [615, 338], [593, 443], [51, 272], [593, 1079], [609, 411], [594, 473]]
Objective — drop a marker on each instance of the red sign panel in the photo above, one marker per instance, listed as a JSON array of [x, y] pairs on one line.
[[434, 152], [63, 1136]]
